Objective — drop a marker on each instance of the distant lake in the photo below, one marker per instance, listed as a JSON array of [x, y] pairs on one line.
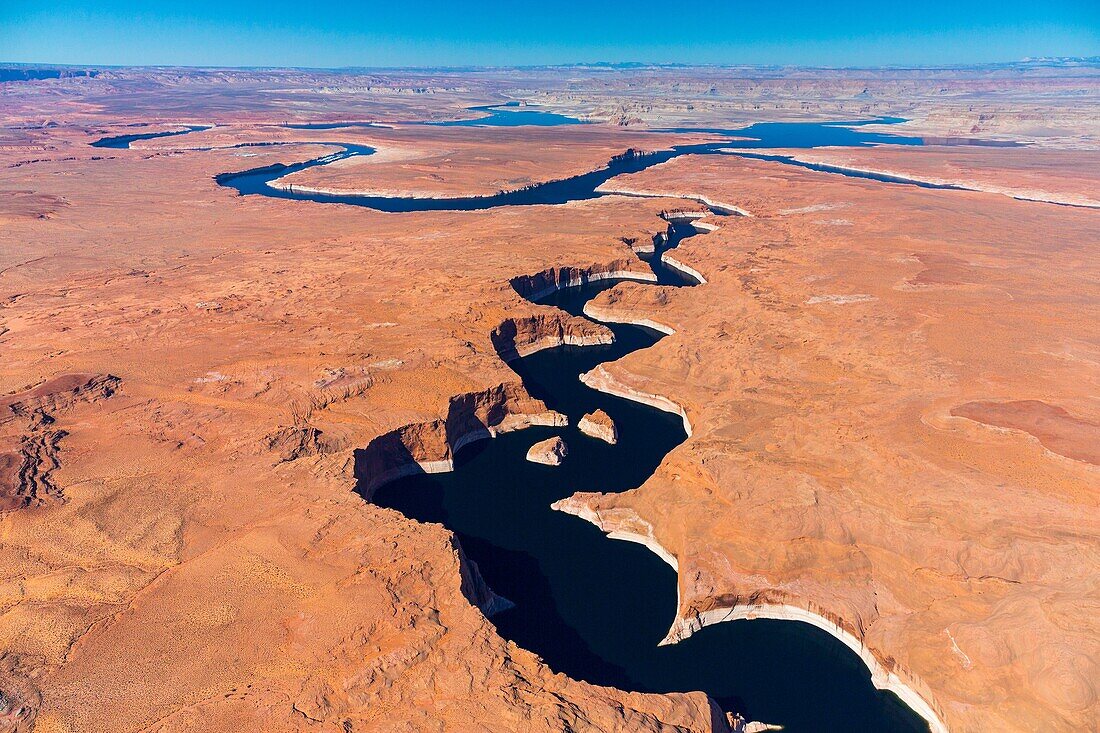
[[511, 114], [123, 141]]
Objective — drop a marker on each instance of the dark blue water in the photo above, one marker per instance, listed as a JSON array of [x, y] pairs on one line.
[[820, 134], [255, 182], [871, 176], [123, 141], [582, 187], [511, 114], [595, 608], [329, 125], [808, 134]]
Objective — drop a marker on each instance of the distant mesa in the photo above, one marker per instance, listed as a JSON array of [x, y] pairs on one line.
[[549, 452], [599, 425]]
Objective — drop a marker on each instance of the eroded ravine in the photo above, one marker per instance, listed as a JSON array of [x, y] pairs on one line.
[[595, 609]]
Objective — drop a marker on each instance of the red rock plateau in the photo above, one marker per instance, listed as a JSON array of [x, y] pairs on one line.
[[891, 393], [1051, 175]]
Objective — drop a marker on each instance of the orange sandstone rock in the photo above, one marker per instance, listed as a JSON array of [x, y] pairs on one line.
[[550, 451], [599, 425]]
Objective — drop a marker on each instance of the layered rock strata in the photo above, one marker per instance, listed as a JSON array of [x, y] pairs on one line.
[[599, 425], [549, 452]]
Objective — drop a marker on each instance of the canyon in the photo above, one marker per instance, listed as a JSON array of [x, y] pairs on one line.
[[876, 401]]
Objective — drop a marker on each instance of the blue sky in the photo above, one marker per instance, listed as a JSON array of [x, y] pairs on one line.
[[424, 33]]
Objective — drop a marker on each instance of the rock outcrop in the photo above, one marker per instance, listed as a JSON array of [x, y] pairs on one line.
[[541, 284], [429, 447], [549, 452], [519, 337], [599, 425], [30, 438]]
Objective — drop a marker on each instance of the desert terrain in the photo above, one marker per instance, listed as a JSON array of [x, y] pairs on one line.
[[890, 392]]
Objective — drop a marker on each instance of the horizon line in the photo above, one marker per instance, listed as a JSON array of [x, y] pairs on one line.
[[608, 65]]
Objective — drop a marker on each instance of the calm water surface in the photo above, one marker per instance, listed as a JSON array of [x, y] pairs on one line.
[[596, 608], [511, 114], [582, 187], [123, 141]]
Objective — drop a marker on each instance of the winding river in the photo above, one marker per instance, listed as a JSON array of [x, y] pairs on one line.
[[258, 181], [596, 609], [593, 608], [123, 141]]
